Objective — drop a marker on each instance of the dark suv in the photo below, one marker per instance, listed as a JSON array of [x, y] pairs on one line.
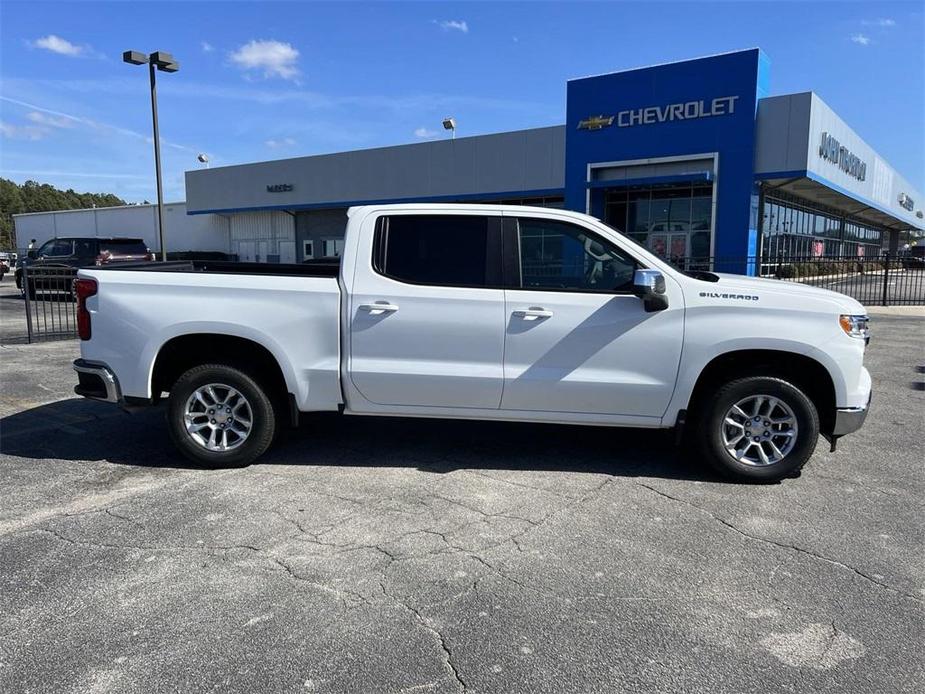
[[78, 252]]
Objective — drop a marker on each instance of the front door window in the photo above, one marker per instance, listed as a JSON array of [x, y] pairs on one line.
[[556, 255]]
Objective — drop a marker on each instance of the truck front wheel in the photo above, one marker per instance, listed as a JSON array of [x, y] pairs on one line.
[[758, 429], [219, 416]]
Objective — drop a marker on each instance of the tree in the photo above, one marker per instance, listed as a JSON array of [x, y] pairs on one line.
[[33, 196]]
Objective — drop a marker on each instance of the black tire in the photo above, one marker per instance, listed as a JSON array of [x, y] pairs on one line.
[[263, 416], [709, 429]]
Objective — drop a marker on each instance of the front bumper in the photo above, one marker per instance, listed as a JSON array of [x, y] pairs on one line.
[[850, 419], [97, 382]]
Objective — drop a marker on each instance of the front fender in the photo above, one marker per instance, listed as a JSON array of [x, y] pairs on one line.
[[694, 361]]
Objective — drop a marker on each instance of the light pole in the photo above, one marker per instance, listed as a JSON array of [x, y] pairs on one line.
[[165, 62], [449, 123]]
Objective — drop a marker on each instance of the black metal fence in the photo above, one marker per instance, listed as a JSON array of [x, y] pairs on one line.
[[51, 308], [873, 281]]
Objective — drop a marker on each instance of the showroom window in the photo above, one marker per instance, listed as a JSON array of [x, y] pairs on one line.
[[791, 227]]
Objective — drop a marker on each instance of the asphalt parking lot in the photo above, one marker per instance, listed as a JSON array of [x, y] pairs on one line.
[[391, 555]]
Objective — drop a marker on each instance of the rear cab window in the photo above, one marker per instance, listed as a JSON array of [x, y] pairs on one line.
[[123, 246]]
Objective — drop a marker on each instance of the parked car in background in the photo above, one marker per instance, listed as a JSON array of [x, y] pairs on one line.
[[7, 260], [913, 258], [79, 252], [478, 312]]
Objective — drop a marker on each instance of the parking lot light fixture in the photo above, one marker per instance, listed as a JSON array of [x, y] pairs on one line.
[[164, 62]]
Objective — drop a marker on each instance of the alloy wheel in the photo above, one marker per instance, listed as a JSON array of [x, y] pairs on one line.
[[218, 417], [759, 430]]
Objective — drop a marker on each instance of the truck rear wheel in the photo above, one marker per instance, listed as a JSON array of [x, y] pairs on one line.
[[219, 416], [758, 429]]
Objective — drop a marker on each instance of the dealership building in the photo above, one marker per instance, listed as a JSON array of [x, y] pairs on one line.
[[693, 159]]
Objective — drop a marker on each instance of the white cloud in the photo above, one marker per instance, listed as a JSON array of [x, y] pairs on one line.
[[453, 24], [425, 133], [56, 44], [206, 47], [885, 22], [284, 142], [53, 121], [22, 132], [87, 122], [861, 39], [274, 58]]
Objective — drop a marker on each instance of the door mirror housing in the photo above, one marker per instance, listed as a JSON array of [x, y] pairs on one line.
[[649, 285]]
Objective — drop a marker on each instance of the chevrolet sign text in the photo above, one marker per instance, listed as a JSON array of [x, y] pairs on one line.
[[689, 110]]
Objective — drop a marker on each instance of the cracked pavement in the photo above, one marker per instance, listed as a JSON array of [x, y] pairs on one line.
[[393, 555]]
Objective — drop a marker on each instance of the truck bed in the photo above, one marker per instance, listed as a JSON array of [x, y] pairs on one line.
[[292, 311]]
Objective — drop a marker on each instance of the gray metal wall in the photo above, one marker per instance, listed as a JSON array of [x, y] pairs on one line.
[[316, 226], [262, 237], [788, 138], [524, 160], [182, 232]]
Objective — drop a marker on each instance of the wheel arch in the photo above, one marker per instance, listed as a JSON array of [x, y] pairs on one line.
[[810, 375], [182, 352]]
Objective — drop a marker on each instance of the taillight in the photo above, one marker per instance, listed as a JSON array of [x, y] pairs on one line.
[[84, 288]]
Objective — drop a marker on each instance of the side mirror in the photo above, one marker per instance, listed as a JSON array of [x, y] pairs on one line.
[[32, 254], [649, 285]]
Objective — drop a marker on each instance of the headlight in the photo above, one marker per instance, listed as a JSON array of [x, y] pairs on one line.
[[855, 326]]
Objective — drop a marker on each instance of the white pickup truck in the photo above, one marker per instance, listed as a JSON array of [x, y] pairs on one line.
[[479, 312]]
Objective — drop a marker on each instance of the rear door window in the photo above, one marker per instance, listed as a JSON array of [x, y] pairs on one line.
[[442, 250]]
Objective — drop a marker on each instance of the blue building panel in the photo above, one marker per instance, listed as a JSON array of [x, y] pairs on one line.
[[695, 107]]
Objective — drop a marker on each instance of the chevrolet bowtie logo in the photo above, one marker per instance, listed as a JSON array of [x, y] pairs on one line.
[[595, 122]]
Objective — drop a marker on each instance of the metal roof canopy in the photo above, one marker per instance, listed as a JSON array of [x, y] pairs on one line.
[[816, 192]]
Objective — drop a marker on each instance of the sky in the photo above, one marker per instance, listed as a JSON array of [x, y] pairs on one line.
[[267, 80]]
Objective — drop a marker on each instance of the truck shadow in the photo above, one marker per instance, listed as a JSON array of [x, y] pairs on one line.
[[82, 430]]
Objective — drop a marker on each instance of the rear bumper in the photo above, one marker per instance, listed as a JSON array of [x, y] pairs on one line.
[[97, 382], [850, 419]]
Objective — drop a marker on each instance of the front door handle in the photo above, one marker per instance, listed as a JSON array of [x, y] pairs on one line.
[[377, 309], [533, 313]]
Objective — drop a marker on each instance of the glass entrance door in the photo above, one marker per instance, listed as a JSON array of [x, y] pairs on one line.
[[673, 221], [671, 246]]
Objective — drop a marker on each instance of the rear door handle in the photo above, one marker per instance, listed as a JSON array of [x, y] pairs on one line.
[[379, 308], [533, 313]]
